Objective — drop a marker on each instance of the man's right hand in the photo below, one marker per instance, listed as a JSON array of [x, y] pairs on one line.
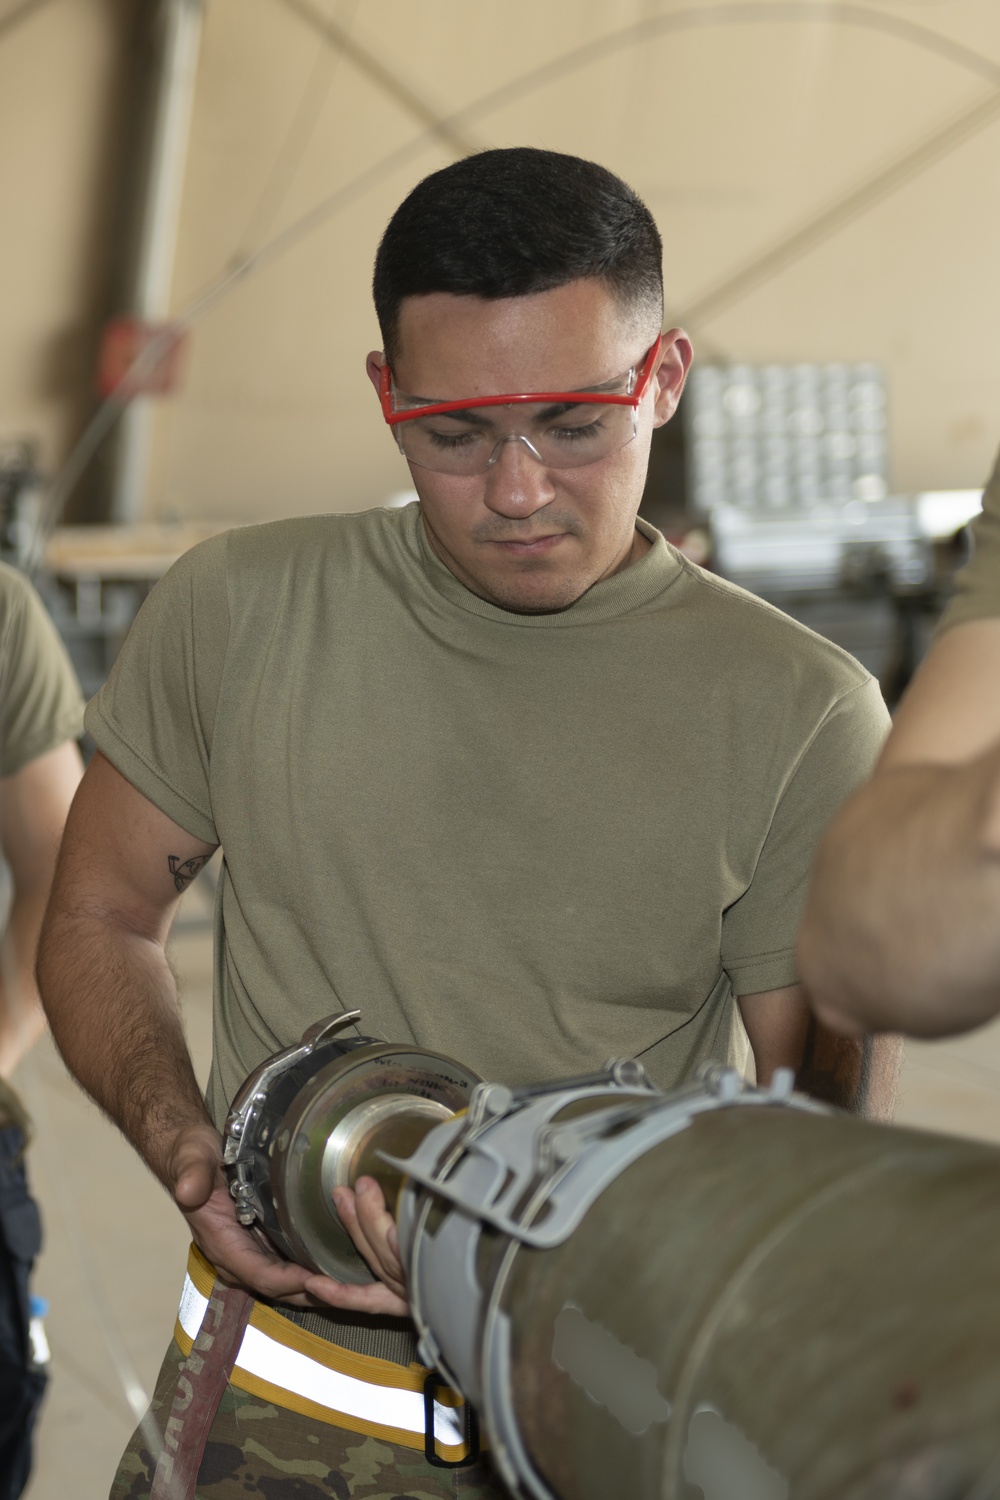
[[196, 1177]]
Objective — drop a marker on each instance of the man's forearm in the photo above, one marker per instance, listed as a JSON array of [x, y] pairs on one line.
[[902, 923], [112, 1005], [857, 1074], [22, 1020], [34, 803]]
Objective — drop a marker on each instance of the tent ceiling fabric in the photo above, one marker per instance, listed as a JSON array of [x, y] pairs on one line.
[[822, 174]]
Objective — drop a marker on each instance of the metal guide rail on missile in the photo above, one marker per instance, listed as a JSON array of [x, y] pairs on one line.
[[720, 1291]]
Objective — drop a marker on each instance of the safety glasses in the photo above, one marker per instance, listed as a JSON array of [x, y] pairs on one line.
[[561, 429]]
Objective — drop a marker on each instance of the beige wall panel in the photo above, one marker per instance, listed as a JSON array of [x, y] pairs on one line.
[[737, 134], [914, 285], [59, 86]]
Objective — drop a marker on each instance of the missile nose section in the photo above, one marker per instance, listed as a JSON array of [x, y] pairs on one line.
[[322, 1114]]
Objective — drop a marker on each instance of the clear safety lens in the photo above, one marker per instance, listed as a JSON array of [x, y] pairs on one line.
[[469, 441]]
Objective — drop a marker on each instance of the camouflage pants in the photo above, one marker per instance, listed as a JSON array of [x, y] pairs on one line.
[[255, 1448]]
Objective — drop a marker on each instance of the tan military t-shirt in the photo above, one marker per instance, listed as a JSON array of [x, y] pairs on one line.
[[533, 842], [40, 703], [977, 592]]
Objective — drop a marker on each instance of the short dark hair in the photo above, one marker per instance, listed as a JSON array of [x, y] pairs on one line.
[[511, 222]]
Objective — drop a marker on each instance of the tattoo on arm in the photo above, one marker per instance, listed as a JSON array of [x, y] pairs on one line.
[[185, 870]]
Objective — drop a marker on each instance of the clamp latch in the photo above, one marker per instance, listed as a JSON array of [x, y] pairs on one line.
[[435, 1382]]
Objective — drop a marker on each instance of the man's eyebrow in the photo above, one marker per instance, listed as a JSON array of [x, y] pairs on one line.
[[558, 409], [464, 415]]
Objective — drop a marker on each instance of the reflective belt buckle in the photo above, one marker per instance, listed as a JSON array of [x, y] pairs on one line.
[[435, 1382]]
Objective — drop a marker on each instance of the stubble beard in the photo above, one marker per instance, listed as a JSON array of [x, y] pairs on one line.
[[533, 588], [519, 592]]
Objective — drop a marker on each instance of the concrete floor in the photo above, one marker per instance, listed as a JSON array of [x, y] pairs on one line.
[[115, 1251]]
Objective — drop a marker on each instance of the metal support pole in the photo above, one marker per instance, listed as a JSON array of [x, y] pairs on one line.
[[161, 183]]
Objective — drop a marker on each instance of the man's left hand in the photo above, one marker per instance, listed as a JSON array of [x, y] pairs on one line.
[[372, 1228]]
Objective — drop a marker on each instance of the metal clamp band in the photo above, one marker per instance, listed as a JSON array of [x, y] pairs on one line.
[[575, 1159]]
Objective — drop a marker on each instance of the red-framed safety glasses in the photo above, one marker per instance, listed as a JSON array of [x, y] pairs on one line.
[[637, 381]]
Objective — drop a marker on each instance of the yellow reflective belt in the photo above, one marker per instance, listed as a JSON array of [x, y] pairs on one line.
[[280, 1362]]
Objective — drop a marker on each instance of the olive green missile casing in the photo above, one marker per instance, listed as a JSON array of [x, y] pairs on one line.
[[784, 1305]]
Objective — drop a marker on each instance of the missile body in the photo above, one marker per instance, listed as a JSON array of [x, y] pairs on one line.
[[717, 1293], [768, 1303]]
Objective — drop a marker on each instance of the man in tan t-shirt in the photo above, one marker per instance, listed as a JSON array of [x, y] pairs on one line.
[[41, 715], [501, 769], [902, 929]]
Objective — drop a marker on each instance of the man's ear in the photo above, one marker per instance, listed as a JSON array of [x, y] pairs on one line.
[[671, 373], [373, 368]]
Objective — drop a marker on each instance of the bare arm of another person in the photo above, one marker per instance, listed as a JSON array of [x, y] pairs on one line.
[[856, 1074], [902, 923], [112, 1005], [34, 802]]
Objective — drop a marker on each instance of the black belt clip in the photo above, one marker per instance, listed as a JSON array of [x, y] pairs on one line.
[[435, 1382]]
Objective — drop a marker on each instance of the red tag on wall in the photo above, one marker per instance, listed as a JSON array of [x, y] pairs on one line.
[[157, 346]]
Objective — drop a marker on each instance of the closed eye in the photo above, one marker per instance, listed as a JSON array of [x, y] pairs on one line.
[[452, 440], [579, 434]]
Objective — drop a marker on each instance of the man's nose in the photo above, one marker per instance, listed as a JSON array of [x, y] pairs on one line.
[[517, 483]]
